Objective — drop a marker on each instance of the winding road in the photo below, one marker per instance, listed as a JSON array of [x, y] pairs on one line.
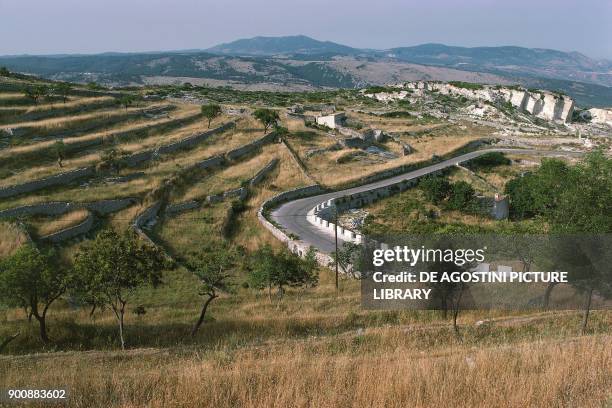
[[292, 215]]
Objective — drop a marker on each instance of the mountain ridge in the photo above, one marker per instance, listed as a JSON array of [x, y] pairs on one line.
[[302, 63]]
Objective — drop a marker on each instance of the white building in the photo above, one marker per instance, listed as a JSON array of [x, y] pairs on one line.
[[331, 121]]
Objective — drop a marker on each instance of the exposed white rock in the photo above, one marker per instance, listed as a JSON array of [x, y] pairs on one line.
[[601, 116], [542, 104]]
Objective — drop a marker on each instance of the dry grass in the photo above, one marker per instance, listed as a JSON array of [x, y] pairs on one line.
[[43, 226], [375, 368], [230, 177], [92, 156], [135, 125], [396, 125], [63, 121], [70, 103], [11, 238], [325, 169]]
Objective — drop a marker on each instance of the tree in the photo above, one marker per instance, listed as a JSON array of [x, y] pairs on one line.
[[461, 196], [435, 188], [447, 294], [127, 100], [31, 279], [282, 268], [60, 151], [210, 112], [94, 86], [489, 160], [112, 267], [36, 92], [267, 117], [4, 72], [112, 160], [584, 205], [213, 268], [573, 200], [538, 193], [63, 89], [349, 258]]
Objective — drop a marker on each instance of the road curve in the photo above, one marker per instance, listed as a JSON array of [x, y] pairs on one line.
[[292, 215]]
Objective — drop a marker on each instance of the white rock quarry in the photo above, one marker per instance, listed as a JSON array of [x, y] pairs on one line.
[[542, 104], [601, 116]]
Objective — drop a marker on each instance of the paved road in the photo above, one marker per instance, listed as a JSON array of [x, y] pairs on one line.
[[292, 215]]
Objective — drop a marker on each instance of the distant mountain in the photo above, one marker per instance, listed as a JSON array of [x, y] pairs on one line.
[[296, 44], [510, 60], [300, 63]]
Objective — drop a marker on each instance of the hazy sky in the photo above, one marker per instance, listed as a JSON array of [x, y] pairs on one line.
[[92, 26]]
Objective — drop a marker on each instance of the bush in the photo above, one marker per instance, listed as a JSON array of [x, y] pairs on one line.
[[435, 188], [490, 160], [397, 114], [461, 196], [466, 85]]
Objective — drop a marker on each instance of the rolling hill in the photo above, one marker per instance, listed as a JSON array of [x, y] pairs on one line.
[[299, 63]]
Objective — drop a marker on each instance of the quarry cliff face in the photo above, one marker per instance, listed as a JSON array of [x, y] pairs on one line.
[[601, 116], [542, 104]]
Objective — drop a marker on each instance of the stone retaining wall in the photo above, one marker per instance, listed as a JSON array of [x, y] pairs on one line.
[[101, 207], [56, 180], [131, 161], [174, 209], [189, 142], [104, 207], [208, 163], [261, 174], [144, 218], [71, 232], [250, 147]]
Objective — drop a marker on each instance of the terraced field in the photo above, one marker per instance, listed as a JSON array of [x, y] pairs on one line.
[[134, 153]]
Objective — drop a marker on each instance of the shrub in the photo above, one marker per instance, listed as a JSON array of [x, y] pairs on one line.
[[466, 85], [490, 160], [461, 196], [435, 188]]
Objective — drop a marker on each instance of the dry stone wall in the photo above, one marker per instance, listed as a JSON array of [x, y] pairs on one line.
[[51, 181], [250, 147], [71, 232]]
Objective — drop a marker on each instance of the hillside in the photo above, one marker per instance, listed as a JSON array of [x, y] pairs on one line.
[[516, 61], [147, 161]]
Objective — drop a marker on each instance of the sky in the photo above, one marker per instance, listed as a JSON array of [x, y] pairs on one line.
[[94, 26]]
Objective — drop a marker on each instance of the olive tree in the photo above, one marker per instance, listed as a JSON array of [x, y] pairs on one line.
[[282, 268], [210, 112], [33, 280], [213, 267], [112, 267], [63, 90], [267, 117]]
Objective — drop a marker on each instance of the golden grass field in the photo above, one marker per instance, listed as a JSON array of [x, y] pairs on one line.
[[314, 348]]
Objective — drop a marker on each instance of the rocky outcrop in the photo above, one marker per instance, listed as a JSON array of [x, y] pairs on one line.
[[601, 116], [541, 104]]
